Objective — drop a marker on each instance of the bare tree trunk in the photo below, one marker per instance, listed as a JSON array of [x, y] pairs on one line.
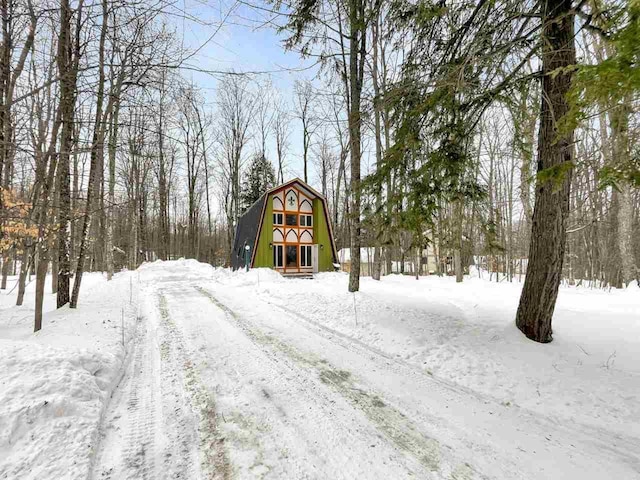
[[55, 261], [97, 153], [68, 72], [457, 250], [357, 53], [624, 214], [6, 264], [41, 275], [304, 96], [377, 252], [8, 82], [163, 193], [555, 155], [24, 268], [111, 188]]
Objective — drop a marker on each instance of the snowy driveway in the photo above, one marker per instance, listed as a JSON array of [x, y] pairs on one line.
[[225, 385]]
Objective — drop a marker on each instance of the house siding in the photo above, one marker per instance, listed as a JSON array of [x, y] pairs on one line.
[[322, 237], [263, 257]]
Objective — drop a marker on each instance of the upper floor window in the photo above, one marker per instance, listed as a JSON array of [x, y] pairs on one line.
[[277, 219], [292, 220], [306, 220]]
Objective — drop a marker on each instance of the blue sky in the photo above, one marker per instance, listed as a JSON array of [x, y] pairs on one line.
[[241, 45]]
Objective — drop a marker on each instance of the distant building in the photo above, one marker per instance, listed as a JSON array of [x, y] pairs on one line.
[[427, 260], [286, 229]]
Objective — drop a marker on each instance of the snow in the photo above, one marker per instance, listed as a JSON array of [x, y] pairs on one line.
[[253, 375], [464, 333], [55, 384]]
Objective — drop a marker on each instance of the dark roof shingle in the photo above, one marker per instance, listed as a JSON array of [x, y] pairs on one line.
[[246, 232]]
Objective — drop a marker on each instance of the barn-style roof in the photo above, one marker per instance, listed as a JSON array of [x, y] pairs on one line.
[[249, 224], [247, 232]]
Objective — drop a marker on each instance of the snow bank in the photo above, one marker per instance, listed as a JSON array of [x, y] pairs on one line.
[[465, 333], [188, 269], [55, 384], [241, 277], [50, 407]]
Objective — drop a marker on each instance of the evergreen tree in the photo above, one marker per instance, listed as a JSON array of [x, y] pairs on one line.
[[612, 83], [259, 178]]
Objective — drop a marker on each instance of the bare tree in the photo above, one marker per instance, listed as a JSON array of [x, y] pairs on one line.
[[282, 130], [304, 96], [236, 105]]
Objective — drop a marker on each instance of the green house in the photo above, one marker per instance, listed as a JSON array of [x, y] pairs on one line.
[[287, 229]]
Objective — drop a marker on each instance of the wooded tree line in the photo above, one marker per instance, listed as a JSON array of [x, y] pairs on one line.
[[503, 130], [499, 133]]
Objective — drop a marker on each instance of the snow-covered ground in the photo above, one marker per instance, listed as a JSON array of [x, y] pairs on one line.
[[465, 333], [55, 384], [250, 375]]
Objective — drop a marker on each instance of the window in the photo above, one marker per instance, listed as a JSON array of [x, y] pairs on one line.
[[292, 220], [277, 219], [292, 256], [277, 256], [306, 220], [305, 256]]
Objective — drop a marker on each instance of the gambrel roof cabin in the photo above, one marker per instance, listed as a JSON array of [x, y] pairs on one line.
[[287, 229]]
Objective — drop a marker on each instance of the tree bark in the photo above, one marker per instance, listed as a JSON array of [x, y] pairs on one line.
[[162, 178], [97, 152], [24, 268], [357, 52], [624, 213], [457, 250], [68, 75], [555, 156], [113, 136], [377, 253]]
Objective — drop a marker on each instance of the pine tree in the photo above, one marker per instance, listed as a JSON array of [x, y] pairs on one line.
[[260, 178]]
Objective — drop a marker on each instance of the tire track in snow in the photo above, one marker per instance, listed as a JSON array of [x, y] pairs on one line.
[[391, 362], [151, 430], [604, 440], [214, 461], [303, 411], [127, 446], [394, 424], [139, 453]]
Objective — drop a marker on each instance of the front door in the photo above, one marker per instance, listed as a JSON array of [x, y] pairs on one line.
[[292, 256]]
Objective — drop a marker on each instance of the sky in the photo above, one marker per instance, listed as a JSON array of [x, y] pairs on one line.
[[241, 42]]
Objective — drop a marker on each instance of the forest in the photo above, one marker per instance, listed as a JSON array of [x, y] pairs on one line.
[[500, 134]]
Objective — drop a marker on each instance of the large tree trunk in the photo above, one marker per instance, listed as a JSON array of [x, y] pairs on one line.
[[67, 105], [555, 156], [113, 135], [624, 238], [377, 253], [624, 213], [357, 52]]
